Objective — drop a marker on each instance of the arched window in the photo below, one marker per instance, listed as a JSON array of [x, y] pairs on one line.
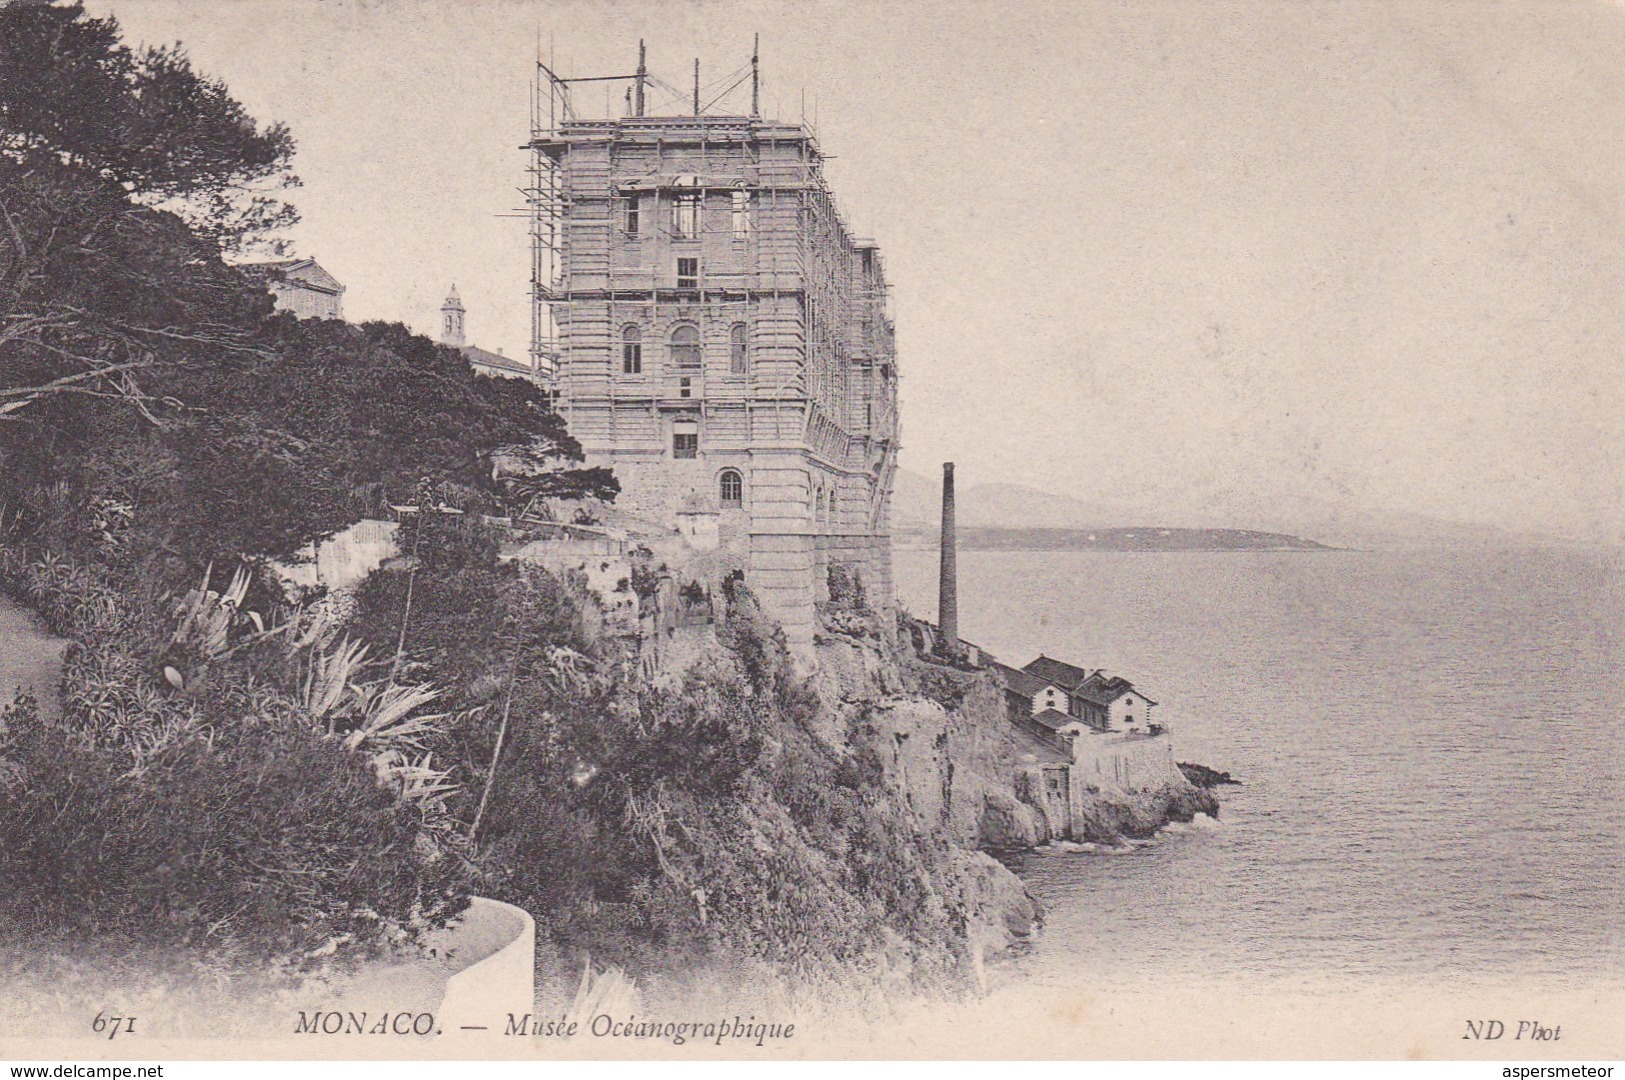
[[632, 351], [739, 349], [685, 347], [819, 514], [733, 488]]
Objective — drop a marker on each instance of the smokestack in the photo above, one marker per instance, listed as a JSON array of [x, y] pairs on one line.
[[948, 583]]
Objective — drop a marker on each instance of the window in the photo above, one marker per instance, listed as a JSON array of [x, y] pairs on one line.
[[685, 347], [685, 215], [685, 439], [688, 273], [685, 388], [739, 349], [631, 351], [741, 214], [632, 222], [733, 488]]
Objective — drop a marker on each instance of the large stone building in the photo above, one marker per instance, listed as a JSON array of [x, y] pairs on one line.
[[302, 287], [715, 334]]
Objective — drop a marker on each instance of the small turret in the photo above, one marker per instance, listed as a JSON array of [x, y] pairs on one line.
[[451, 320]]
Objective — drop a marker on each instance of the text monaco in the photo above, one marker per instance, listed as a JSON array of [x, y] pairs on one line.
[[353, 1023], [678, 1032]]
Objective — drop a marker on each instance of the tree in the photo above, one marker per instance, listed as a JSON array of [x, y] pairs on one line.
[[140, 369], [140, 119], [124, 176], [335, 422]]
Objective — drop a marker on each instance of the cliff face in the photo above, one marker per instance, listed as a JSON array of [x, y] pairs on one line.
[[942, 740], [927, 749], [925, 754]]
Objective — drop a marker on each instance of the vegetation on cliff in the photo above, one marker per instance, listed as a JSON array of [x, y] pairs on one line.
[[241, 773], [255, 774], [655, 826], [243, 778]]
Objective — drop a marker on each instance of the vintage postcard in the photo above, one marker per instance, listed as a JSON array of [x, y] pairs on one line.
[[611, 529]]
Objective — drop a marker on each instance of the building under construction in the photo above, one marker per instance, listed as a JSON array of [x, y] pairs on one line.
[[713, 331]]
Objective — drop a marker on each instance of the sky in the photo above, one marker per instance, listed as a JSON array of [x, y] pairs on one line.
[[1218, 258]]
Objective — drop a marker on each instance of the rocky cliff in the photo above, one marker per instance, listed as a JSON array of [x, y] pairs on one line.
[[947, 750]]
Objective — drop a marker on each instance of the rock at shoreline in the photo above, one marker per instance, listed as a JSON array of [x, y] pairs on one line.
[[1204, 777]]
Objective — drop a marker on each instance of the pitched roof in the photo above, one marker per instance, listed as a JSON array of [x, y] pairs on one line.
[[1098, 689], [485, 358], [306, 273], [1061, 674], [1019, 682], [1054, 719]]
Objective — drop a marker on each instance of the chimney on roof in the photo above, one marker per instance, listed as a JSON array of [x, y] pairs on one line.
[[948, 582]]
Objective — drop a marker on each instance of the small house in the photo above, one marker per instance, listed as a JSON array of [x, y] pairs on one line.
[[301, 286], [487, 362], [1112, 703], [1100, 701], [1027, 694]]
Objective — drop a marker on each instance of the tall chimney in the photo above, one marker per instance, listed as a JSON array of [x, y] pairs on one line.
[[948, 583]]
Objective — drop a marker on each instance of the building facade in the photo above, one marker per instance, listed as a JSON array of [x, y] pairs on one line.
[[1106, 703], [714, 333], [302, 287]]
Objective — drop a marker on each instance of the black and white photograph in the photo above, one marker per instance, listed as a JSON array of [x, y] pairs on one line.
[[1073, 530]]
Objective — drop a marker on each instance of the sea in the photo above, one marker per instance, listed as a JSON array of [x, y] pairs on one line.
[[1429, 742]]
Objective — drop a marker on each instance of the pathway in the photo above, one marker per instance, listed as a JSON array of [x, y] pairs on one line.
[[30, 658]]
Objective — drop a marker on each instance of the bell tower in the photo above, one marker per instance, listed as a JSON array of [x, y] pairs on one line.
[[451, 320]]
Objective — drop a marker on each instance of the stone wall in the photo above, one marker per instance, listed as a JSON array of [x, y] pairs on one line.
[[1123, 762]]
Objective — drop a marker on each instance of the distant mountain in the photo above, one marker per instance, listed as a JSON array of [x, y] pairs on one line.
[[978, 538], [917, 501], [917, 507]]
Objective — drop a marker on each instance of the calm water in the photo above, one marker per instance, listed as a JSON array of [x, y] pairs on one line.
[[1431, 745]]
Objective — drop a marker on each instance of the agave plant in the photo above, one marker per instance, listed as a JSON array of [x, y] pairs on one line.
[[416, 781], [385, 713], [206, 616], [315, 626], [329, 678]]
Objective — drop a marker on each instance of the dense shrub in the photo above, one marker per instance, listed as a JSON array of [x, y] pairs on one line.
[[214, 814], [279, 842], [456, 588], [655, 827], [471, 617]]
